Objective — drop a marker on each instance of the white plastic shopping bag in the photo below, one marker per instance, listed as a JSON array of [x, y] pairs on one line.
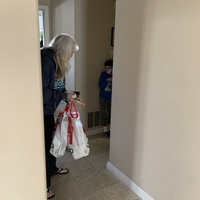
[[77, 142], [59, 142], [60, 108]]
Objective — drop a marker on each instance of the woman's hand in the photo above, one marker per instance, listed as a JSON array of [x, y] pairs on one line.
[[70, 97]]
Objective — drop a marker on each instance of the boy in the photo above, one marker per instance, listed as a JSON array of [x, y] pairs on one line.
[[105, 85]]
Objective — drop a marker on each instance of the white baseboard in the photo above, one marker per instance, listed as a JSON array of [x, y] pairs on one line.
[[128, 182], [94, 131]]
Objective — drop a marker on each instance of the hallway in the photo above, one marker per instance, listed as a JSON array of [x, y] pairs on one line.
[[88, 178]]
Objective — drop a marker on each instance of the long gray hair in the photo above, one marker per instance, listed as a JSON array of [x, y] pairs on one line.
[[64, 46]]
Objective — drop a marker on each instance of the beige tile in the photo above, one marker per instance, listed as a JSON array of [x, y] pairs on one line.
[[82, 198], [101, 143], [112, 194], [127, 193], [80, 167], [98, 161], [76, 168], [108, 176], [98, 195], [91, 182], [88, 178], [98, 146], [107, 193], [64, 160], [56, 179], [69, 190]]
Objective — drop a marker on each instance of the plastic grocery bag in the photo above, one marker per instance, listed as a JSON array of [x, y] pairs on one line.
[[59, 142], [77, 142], [60, 108]]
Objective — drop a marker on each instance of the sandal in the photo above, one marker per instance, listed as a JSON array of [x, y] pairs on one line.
[[50, 194], [62, 171]]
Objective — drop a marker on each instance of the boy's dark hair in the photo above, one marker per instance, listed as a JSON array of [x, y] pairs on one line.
[[108, 63]]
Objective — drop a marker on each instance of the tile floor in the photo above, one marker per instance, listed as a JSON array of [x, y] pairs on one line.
[[88, 178]]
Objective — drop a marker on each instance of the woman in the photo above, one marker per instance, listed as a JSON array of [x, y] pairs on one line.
[[55, 65]]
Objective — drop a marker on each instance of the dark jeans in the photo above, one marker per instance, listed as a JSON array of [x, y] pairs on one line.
[[105, 106], [50, 159]]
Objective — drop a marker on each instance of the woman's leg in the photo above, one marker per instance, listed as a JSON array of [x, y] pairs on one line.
[[50, 159]]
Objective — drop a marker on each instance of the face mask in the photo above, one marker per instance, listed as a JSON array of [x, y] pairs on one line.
[[109, 71]]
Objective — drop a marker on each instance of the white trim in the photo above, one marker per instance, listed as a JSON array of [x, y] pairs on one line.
[[94, 131], [46, 23], [128, 182]]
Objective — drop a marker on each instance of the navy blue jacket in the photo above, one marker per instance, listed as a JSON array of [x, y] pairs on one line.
[[51, 95], [103, 83]]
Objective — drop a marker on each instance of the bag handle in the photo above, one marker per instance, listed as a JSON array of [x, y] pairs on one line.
[[72, 110]]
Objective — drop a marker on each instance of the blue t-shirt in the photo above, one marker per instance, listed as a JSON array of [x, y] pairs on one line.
[[105, 86]]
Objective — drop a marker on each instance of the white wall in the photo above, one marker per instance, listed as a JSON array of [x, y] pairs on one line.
[[22, 168], [155, 111]]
